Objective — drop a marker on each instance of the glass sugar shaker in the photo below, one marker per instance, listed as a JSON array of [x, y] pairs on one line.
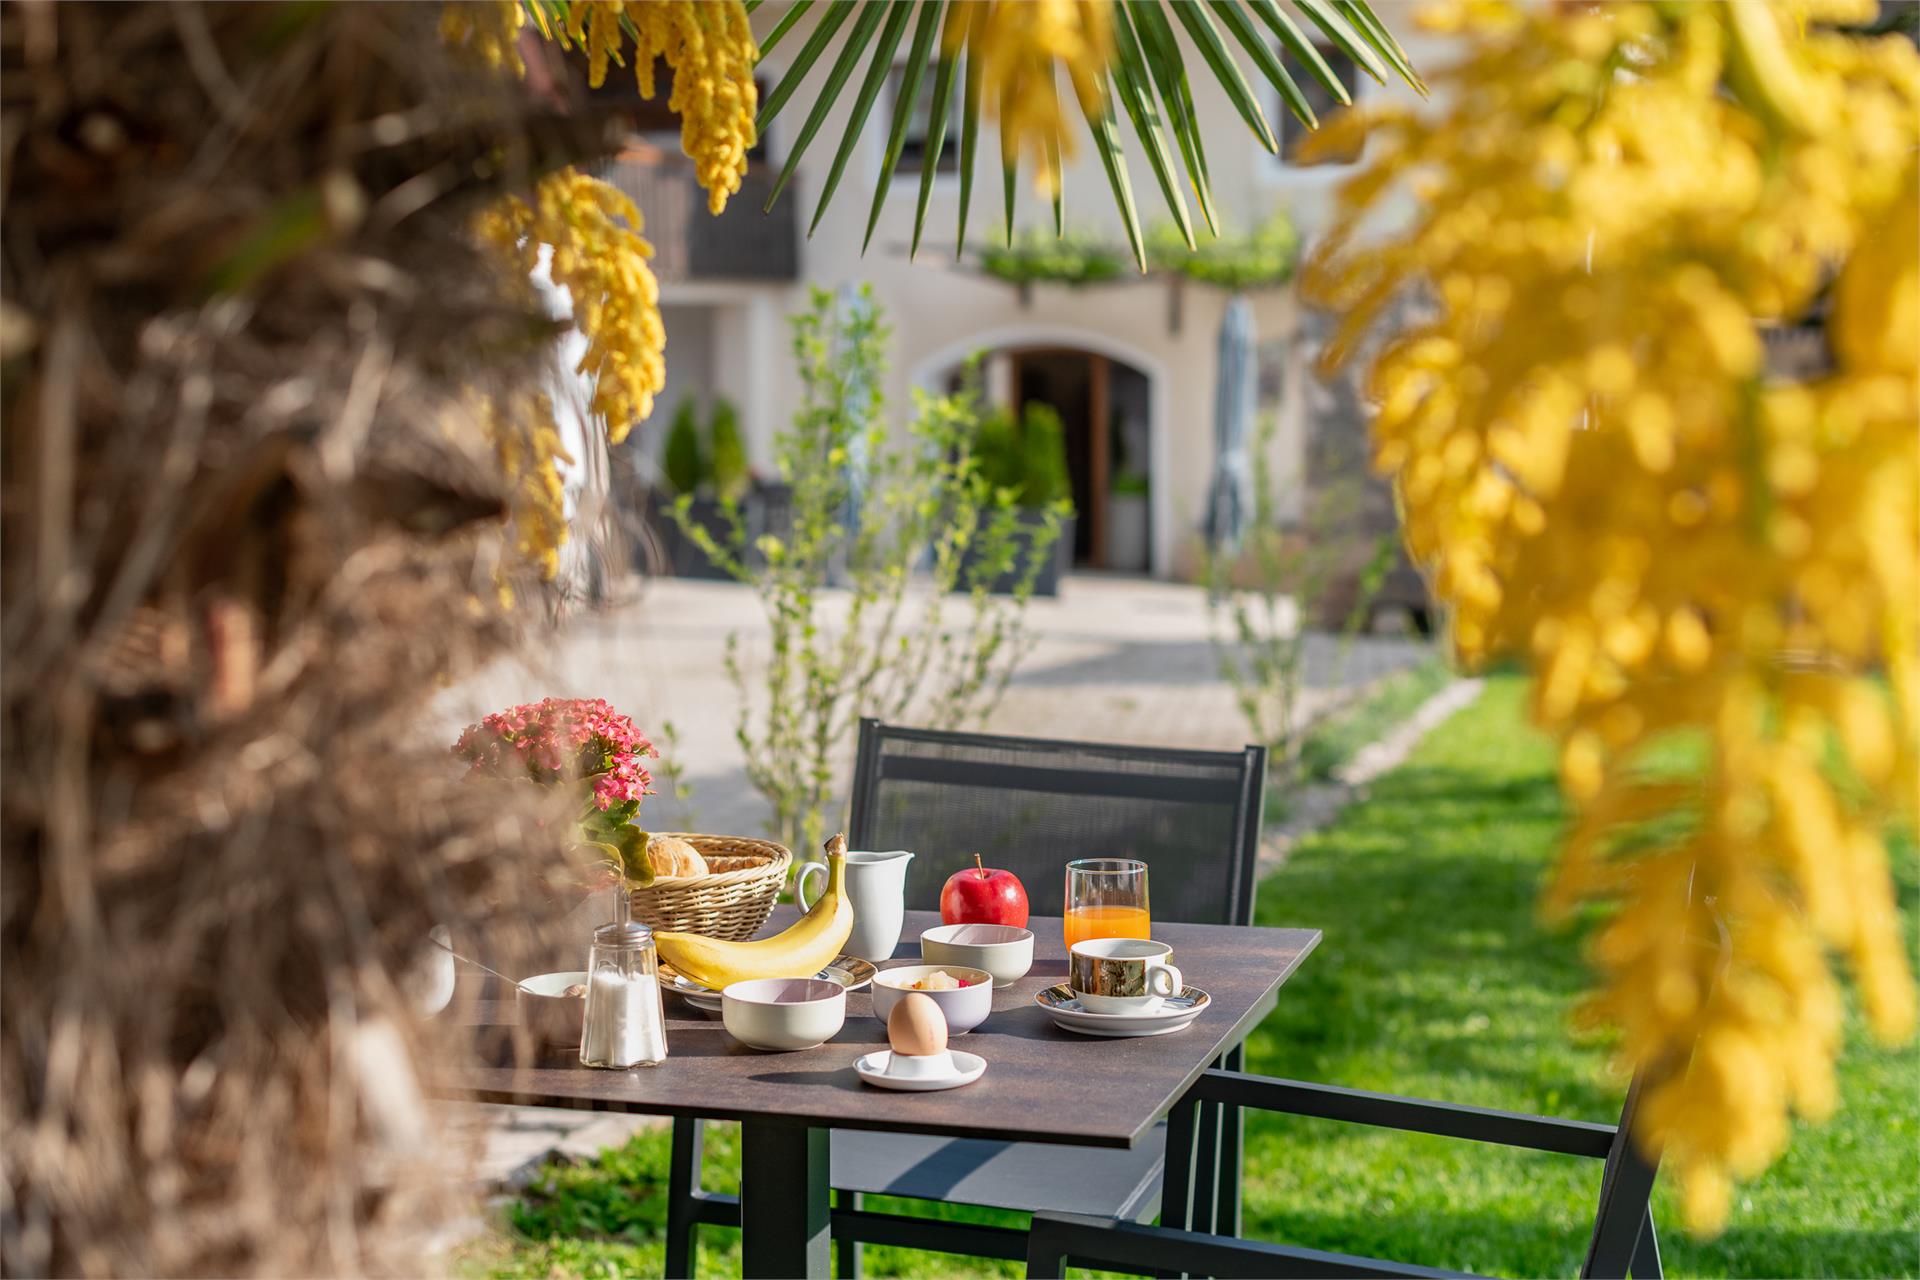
[[624, 1024]]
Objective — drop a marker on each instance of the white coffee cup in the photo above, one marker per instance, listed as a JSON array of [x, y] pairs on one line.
[[1122, 975]]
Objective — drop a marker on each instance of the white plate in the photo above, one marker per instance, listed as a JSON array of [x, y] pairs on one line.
[[872, 1068], [1174, 1014], [850, 972]]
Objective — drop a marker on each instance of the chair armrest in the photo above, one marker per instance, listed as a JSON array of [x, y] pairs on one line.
[[1410, 1115], [1103, 1244]]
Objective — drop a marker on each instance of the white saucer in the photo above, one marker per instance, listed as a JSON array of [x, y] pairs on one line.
[[872, 1068], [850, 972], [1176, 1013]]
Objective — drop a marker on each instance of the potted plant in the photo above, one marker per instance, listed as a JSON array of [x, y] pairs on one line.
[[1027, 458], [690, 464], [1129, 545], [580, 745]]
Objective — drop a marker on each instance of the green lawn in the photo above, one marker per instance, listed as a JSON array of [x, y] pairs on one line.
[[1434, 979]]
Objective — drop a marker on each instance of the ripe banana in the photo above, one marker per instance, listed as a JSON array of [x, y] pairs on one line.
[[797, 952]]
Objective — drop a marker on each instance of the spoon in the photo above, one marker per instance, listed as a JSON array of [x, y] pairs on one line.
[[512, 982]]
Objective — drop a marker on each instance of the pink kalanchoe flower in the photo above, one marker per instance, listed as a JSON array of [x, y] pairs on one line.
[[560, 740]]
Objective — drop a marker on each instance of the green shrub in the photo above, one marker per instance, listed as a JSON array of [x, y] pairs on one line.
[[728, 451], [996, 451], [1261, 259], [1029, 458], [889, 608], [1036, 255], [1043, 447], [682, 461]]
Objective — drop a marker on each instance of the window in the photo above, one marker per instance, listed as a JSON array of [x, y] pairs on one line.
[[913, 148], [1294, 134]]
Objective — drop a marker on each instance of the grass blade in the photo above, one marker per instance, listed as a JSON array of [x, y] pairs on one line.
[[910, 77], [863, 29], [943, 79], [1324, 16], [1236, 21], [1130, 81], [1170, 76], [1375, 33], [787, 19], [1206, 37], [1106, 140], [1303, 50], [831, 22], [877, 72], [969, 123]]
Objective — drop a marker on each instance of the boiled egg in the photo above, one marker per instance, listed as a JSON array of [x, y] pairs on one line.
[[916, 1028]]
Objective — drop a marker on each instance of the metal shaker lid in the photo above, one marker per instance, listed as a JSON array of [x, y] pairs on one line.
[[622, 933]]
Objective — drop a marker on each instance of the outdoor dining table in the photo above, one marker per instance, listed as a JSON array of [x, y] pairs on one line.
[[1042, 1084]]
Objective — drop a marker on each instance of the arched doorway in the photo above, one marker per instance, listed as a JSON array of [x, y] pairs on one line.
[[1106, 404], [1104, 407]]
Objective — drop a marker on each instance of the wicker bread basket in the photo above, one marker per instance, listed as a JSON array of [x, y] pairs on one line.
[[732, 901]]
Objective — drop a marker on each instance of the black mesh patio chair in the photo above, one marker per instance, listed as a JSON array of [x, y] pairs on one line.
[[1623, 1241], [1028, 805]]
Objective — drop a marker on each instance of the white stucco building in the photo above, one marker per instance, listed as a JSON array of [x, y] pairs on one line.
[[1130, 365]]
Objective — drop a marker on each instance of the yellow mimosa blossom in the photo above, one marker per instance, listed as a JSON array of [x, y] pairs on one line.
[[1019, 47], [489, 30], [600, 258], [527, 443], [1704, 561], [709, 45]]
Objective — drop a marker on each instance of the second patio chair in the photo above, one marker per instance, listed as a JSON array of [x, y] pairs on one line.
[[1623, 1242], [1028, 805]]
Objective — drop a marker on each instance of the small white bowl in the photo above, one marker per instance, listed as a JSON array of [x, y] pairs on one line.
[[553, 1016], [784, 1013], [965, 1007], [1003, 950]]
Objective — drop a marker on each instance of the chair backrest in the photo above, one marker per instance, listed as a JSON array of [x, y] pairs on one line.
[[1031, 805]]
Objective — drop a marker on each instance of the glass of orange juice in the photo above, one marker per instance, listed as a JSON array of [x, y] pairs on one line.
[[1106, 898]]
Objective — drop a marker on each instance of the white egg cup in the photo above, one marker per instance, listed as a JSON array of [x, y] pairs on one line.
[[927, 1066], [879, 1069]]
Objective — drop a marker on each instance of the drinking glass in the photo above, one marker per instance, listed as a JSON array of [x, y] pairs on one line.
[[1106, 898]]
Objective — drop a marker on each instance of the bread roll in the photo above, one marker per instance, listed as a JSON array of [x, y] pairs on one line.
[[672, 856]]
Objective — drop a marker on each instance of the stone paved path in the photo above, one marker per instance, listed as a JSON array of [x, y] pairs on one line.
[[1115, 659]]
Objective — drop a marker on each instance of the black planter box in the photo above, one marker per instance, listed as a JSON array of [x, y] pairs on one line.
[[1047, 582], [765, 508]]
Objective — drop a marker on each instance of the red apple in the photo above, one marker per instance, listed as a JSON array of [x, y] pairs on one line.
[[984, 895]]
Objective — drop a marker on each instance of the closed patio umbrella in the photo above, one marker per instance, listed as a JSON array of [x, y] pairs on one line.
[[1230, 497]]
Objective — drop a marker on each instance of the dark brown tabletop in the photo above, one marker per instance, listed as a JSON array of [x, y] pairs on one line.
[[1042, 1084]]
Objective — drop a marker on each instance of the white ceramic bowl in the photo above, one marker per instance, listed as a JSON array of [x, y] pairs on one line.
[[784, 1013], [1003, 950], [552, 1016], [965, 1007]]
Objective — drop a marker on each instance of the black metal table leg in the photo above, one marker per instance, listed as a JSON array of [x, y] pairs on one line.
[[683, 1184], [785, 1212], [1226, 1214]]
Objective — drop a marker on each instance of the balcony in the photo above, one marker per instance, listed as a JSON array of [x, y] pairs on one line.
[[690, 244]]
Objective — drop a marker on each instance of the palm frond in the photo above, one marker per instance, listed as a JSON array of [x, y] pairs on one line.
[[1148, 79]]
